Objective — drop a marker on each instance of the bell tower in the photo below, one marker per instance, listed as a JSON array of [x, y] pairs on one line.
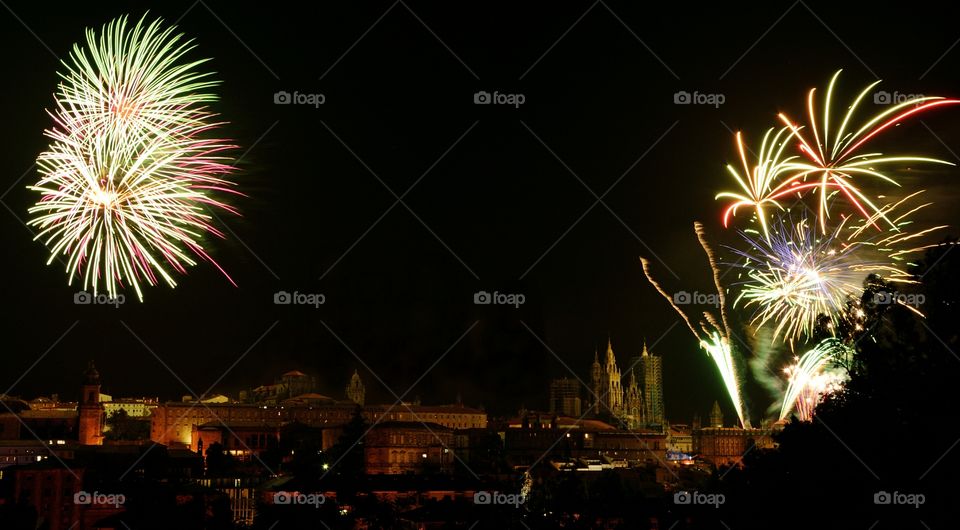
[[90, 409]]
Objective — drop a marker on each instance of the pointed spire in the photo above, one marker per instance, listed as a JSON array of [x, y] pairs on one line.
[[716, 415], [645, 353]]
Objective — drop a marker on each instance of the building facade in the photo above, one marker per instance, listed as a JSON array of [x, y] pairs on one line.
[[408, 447], [726, 446], [176, 423]]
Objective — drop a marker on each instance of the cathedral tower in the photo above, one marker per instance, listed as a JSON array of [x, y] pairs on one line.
[[606, 385], [614, 389]]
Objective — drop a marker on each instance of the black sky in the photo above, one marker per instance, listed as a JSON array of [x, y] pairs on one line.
[[498, 211]]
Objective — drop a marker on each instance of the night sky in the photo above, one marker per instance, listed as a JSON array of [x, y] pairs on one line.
[[492, 197]]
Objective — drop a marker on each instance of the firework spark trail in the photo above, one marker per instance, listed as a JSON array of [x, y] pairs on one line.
[[835, 159], [758, 181], [714, 336], [130, 178]]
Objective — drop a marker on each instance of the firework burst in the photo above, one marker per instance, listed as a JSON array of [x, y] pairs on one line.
[[796, 276], [129, 182], [813, 376], [829, 160]]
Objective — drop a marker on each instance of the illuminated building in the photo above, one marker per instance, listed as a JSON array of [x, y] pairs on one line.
[[50, 490], [408, 447], [23, 452], [565, 397], [134, 407], [651, 366], [533, 436], [241, 440], [175, 423], [452, 416], [680, 438], [634, 410], [288, 385], [91, 412], [640, 404]]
